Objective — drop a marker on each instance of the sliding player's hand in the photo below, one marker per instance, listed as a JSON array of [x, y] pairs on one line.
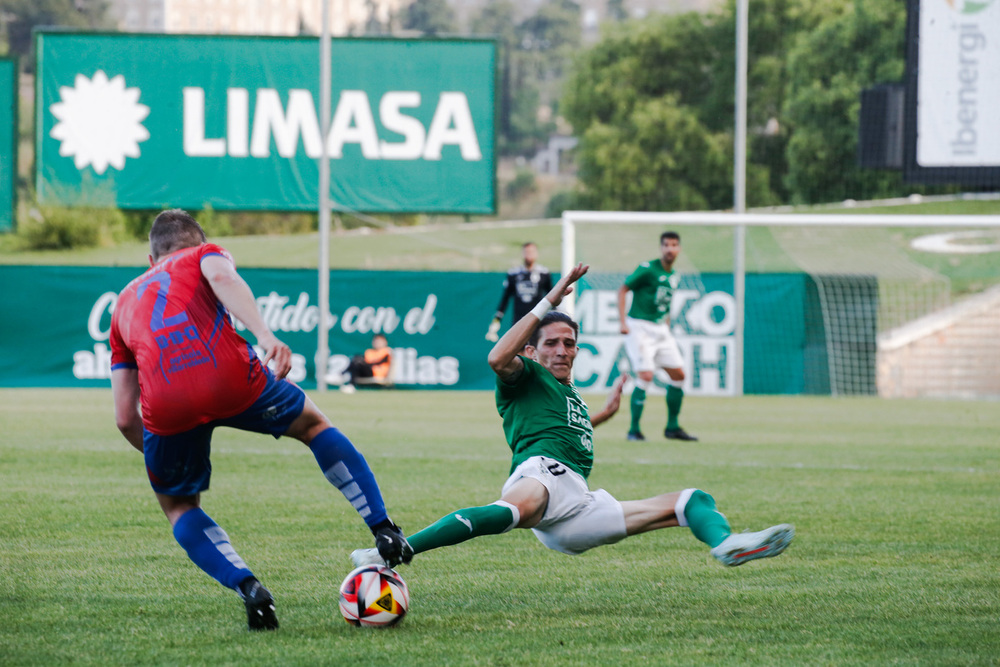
[[565, 284], [615, 397]]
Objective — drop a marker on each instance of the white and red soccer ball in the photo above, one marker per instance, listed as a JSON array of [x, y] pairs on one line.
[[374, 596]]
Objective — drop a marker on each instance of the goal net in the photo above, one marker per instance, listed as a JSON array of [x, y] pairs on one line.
[[841, 303]]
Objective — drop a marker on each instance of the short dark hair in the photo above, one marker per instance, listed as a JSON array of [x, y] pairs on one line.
[[550, 318], [527, 243], [173, 230], [670, 235]]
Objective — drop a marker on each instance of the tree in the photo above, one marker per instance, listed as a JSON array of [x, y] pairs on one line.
[[633, 100], [533, 56], [668, 55], [616, 10], [22, 16], [808, 62], [661, 158], [774, 27], [553, 32], [497, 19], [853, 50], [431, 17]]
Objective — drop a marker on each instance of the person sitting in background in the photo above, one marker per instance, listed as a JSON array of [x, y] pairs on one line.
[[372, 367]]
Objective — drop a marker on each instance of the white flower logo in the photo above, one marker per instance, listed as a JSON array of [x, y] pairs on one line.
[[99, 122]]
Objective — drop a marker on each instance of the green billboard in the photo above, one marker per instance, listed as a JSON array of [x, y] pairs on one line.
[[435, 324], [8, 143], [151, 121]]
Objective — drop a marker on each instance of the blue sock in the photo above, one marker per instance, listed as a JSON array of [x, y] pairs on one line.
[[347, 470], [207, 545]]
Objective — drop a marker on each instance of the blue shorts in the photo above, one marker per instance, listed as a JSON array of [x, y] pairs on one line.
[[179, 465]]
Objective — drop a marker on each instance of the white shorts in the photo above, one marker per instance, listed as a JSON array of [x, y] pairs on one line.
[[650, 346], [576, 518]]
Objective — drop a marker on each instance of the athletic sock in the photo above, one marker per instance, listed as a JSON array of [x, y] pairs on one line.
[[636, 404], [464, 525], [696, 510], [674, 397], [347, 470], [207, 545]]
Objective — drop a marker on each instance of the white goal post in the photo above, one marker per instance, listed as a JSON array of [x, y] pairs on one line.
[[807, 225]]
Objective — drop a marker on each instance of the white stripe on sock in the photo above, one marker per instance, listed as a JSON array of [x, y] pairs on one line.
[[221, 541], [338, 474], [682, 504], [514, 511]]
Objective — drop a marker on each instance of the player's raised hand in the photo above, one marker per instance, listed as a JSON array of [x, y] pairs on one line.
[[279, 356], [565, 284]]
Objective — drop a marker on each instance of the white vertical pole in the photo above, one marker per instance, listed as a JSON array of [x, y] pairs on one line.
[[568, 259], [323, 335], [739, 190]]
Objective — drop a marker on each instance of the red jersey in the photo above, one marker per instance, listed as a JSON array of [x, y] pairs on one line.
[[193, 366]]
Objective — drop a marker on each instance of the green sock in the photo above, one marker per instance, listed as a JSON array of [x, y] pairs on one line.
[[674, 397], [461, 526], [707, 523], [637, 403]]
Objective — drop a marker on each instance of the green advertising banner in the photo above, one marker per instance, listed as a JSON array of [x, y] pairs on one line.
[[56, 324], [153, 121], [57, 321], [8, 143]]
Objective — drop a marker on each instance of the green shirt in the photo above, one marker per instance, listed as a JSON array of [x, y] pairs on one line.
[[652, 288], [544, 417]]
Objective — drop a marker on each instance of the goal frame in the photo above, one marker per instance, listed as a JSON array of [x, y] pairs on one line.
[[739, 222]]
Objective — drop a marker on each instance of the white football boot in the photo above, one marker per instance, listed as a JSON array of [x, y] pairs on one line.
[[739, 548], [361, 557]]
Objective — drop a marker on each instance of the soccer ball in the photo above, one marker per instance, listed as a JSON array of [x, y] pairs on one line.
[[374, 596]]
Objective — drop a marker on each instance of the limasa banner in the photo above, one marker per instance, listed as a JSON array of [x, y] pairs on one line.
[[151, 121]]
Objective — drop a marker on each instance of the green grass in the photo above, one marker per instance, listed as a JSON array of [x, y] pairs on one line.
[[895, 503], [495, 246]]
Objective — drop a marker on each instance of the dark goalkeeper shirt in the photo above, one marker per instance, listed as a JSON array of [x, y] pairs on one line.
[[526, 288]]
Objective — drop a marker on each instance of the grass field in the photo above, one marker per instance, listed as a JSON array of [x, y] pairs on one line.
[[895, 503]]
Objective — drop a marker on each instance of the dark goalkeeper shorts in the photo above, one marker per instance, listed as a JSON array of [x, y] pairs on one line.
[[179, 464]]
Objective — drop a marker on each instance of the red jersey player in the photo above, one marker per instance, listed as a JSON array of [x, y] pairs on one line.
[[175, 353]]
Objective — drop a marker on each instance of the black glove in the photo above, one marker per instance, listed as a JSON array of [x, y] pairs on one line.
[[392, 545]]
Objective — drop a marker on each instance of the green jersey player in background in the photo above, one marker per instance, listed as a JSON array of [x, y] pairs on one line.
[[649, 343], [550, 432]]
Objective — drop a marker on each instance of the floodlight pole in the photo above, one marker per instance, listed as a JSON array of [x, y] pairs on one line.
[[323, 333], [739, 190]]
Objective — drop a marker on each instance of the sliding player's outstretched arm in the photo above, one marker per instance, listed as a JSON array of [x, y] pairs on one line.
[[503, 358]]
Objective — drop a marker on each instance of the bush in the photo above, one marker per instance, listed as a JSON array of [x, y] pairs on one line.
[[53, 228], [567, 200], [228, 223], [214, 223], [138, 223], [248, 223], [522, 185]]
